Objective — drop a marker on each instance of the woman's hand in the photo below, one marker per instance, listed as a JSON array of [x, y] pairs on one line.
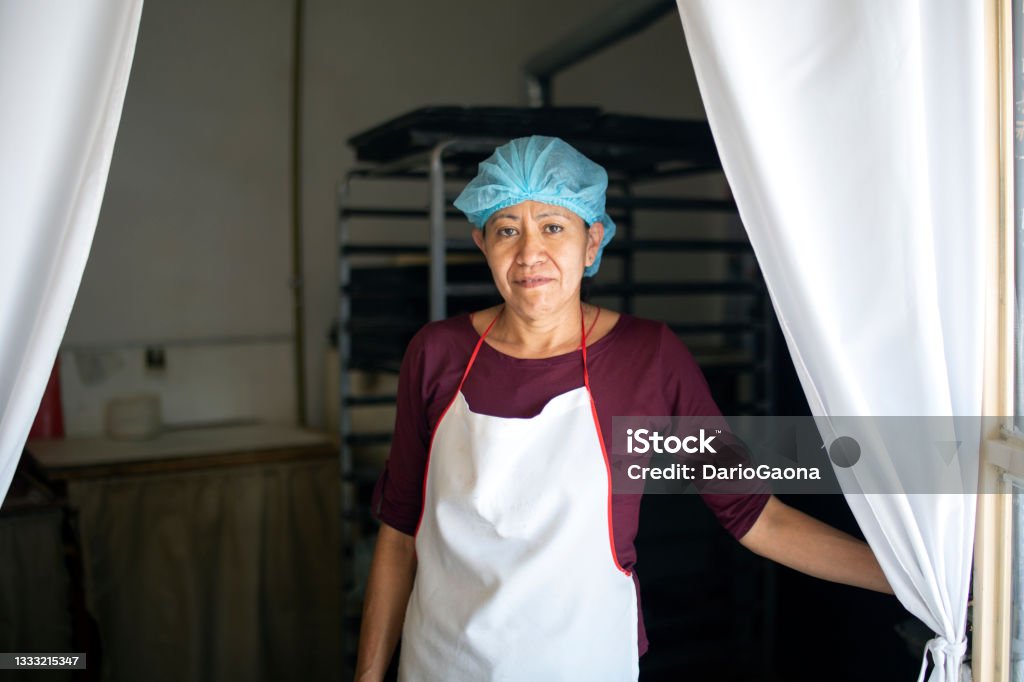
[[801, 542], [387, 594]]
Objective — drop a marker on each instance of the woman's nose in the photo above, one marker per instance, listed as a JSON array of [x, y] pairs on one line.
[[531, 249]]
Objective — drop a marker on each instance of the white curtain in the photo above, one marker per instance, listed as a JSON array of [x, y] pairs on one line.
[[63, 73], [852, 137]]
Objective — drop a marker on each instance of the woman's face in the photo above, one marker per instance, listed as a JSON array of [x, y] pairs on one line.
[[537, 253]]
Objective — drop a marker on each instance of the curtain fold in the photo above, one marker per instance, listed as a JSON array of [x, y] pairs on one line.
[[63, 73], [852, 137]]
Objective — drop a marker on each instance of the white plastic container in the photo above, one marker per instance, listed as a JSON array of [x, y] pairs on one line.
[[134, 417]]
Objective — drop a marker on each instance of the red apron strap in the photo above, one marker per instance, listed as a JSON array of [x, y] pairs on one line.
[[480, 342], [583, 332]]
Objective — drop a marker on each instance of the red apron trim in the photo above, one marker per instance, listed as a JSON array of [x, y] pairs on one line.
[[433, 434], [604, 451]]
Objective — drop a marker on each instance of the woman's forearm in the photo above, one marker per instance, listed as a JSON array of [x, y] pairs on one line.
[[794, 539], [387, 594]]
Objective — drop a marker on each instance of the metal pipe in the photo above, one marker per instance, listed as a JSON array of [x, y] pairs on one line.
[[297, 284], [671, 204], [622, 20], [438, 209], [629, 260], [702, 245], [453, 246], [344, 331], [198, 341], [381, 212], [347, 492], [538, 91]]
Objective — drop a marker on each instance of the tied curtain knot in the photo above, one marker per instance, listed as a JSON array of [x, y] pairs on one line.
[[943, 651]]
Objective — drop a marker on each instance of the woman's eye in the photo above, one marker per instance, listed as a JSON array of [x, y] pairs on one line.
[[555, 228], [506, 231]]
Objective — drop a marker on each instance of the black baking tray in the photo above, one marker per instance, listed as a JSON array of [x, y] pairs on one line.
[[628, 144]]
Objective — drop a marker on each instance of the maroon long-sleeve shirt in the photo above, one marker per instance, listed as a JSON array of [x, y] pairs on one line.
[[639, 368]]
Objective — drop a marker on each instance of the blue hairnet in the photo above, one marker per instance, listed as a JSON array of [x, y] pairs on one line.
[[544, 169]]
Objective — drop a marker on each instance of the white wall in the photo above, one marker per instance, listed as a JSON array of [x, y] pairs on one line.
[[193, 240], [193, 230]]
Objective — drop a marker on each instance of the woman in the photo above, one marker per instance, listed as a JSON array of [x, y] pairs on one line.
[[503, 553]]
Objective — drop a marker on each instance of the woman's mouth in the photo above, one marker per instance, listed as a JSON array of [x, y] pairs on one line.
[[531, 282]]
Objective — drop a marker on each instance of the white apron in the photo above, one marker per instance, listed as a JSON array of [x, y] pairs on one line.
[[517, 577]]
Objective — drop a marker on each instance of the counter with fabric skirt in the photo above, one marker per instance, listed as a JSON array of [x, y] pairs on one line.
[[208, 554]]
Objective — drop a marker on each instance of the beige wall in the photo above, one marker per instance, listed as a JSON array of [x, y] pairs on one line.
[[193, 240]]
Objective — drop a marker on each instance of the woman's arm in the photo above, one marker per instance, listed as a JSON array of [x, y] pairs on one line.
[[387, 594], [794, 539]]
